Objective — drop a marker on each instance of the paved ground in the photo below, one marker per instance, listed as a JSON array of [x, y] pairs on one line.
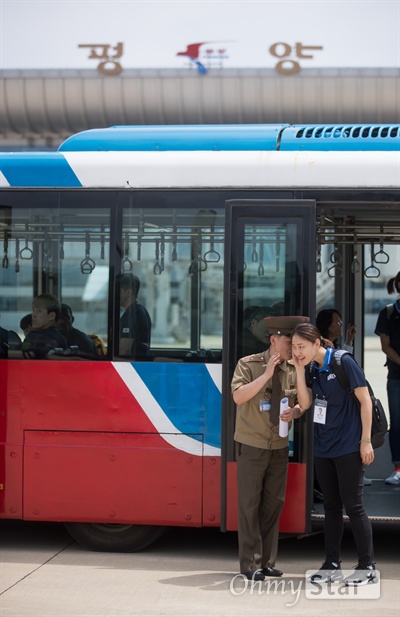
[[188, 573]]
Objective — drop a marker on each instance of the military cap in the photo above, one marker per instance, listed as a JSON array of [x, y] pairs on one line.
[[284, 325]]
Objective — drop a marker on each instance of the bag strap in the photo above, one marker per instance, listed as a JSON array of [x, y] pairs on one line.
[[389, 310], [337, 368]]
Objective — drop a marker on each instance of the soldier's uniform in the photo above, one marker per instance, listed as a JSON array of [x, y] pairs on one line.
[[262, 455]]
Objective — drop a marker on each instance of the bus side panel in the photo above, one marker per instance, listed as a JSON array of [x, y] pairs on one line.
[[11, 457], [113, 478], [211, 491], [293, 517]]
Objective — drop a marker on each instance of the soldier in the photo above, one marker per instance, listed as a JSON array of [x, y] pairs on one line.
[[259, 383]]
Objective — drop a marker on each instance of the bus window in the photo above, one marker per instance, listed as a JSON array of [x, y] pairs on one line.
[[176, 251], [55, 243], [270, 281]]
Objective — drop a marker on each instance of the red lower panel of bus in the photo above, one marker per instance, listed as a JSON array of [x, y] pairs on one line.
[[110, 477], [294, 515]]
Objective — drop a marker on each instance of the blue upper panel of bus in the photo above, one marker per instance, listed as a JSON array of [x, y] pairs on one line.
[[37, 169], [176, 138], [236, 137]]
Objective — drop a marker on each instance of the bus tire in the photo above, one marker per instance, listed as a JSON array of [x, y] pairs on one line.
[[122, 538]]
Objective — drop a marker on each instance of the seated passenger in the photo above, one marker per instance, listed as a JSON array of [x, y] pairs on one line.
[[3, 342], [44, 337], [73, 336], [26, 324], [135, 322], [9, 341]]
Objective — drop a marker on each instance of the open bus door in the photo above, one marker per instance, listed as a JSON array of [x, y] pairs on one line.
[[269, 262]]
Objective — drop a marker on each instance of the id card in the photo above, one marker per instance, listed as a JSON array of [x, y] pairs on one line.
[[265, 405], [320, 407]]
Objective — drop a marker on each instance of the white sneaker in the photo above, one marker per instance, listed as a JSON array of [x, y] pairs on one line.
[[394, 478], [329, 572], [362, 575]]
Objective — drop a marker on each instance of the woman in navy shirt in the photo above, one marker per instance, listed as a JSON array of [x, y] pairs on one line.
[[342, 446]]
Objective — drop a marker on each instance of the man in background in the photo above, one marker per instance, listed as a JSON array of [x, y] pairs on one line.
[[135, 322]]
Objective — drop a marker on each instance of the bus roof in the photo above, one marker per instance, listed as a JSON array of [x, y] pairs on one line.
[[232, 137]]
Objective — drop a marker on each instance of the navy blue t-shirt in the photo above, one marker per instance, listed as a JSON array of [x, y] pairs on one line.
[[391, 327], [341, 432], [135, 323]]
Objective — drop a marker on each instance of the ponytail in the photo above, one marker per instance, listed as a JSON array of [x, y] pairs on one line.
[[393, 285]]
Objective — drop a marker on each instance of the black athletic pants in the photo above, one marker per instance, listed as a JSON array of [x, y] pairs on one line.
[[342, 483]]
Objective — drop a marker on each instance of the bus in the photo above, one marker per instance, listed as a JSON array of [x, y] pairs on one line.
[[214, 221]]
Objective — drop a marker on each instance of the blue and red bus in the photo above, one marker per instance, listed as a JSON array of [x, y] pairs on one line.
[[213, 220]]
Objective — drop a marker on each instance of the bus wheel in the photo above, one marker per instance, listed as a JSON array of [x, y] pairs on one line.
[[114, 538]]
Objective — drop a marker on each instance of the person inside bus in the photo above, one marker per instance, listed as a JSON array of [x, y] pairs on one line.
[[3, 342], [26, 324], [259, 383], [44, 336], [73, 336], [255, 337], [9, 341], [135, 322], [388, 329], [330, 323]]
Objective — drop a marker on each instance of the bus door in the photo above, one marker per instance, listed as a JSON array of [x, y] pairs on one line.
[[269, 270]]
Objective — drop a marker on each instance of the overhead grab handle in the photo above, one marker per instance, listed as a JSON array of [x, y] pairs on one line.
[[372, 272], [381, 257], [17, 255], [277, 252], [355, 266], [261, 262], [26, 252], [87, 264], [127, 265], [157, 266], [5, 249], [212, 256]]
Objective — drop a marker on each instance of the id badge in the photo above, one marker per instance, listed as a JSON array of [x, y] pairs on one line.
[[320, 407], [265, 406]]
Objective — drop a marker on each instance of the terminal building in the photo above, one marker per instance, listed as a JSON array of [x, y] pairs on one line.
[[41, 108]]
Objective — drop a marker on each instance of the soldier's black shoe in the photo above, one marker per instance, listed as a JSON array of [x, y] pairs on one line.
[[268, 571], [254, 575]]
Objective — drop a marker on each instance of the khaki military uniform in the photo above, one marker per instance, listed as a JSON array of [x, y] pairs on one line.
[[262, 457]]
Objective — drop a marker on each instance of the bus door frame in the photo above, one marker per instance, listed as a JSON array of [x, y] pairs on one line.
[[237, 214]]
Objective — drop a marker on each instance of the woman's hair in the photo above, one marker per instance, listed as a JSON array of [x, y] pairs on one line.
[[324, 320], [307, 331], [393, 285], [311, 333]]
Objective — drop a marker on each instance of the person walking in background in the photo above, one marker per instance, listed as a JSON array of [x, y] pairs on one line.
[[342, 446], [388, 329], [330, 323], [258, 384]]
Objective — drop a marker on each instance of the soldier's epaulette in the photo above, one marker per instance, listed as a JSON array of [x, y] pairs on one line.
[[255, 357]]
